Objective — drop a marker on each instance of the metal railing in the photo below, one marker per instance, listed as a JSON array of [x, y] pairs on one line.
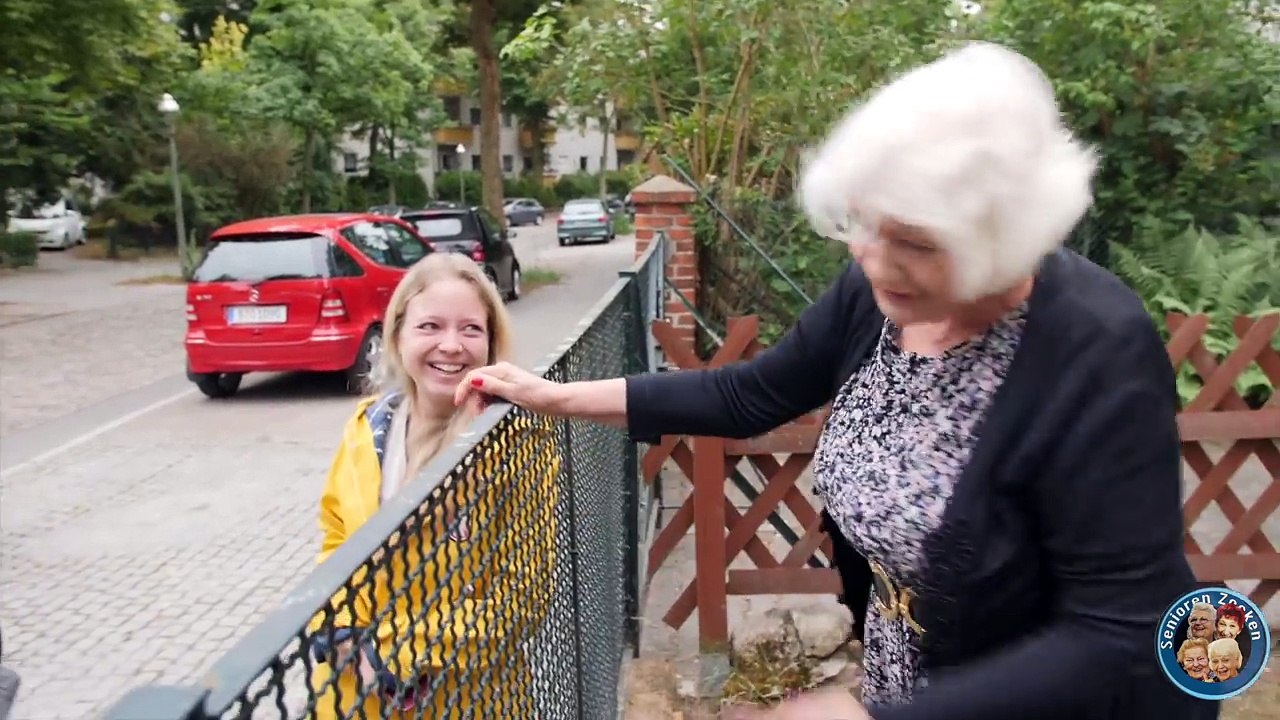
[[737, 275], [504, 581]]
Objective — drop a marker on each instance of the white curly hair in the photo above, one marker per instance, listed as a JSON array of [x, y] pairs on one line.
[[970, 148]]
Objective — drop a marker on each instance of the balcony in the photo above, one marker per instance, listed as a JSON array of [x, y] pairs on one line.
[[548, 137], [447, 86], [454, 135], [627, 140]]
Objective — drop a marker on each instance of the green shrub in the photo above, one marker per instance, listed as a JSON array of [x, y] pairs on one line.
[[622, 224], [530, 187], [1222, 276], [451, 184], [577, 185], [19, 249], [737, 281], [1179, 98], [144, 212]]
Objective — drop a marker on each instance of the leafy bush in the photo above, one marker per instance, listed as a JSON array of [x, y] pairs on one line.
[[1179, 98], [738, 280], [577, 185], [239, 171], [364, 191], [142, 214], [1196, 272], [451, 185], [19, 249], [530, 187]]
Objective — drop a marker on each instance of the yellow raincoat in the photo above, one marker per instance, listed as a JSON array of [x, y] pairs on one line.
[[494, 575]]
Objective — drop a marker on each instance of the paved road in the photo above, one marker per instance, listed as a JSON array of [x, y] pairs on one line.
[[145, 528]]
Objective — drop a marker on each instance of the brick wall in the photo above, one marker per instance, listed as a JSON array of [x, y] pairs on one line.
[[663, 204]]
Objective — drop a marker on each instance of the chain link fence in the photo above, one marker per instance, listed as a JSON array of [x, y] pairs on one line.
[[504, 582]]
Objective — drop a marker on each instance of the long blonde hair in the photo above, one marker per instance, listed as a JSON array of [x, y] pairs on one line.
[[390, 374]]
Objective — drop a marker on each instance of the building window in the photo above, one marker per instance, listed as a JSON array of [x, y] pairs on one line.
[[507, 120], [526, 163], [447, 161], [475, 116], [508, 163], [626, 157], [453, 108], [582, 163], [350, 163], [475, 163]]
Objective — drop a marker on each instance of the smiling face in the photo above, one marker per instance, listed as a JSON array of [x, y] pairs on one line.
[[1195, 661], [1224, 663], [1228, 627], [1201, 624], [445, 334]]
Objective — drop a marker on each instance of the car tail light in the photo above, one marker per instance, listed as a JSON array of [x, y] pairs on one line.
[[560, 220], [191, 312], [604, 218], [331, 306], [476, 252]]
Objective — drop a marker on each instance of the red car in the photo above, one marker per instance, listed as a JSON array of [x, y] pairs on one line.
[[299, 293]]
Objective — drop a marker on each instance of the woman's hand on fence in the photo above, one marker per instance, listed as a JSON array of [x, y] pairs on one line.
[[513, 384], [344, 658]]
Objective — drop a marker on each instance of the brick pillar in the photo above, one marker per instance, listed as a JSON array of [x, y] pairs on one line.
[[663, 204]]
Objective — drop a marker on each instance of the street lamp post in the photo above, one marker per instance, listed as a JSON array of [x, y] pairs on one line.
[[462, 172], [169, 107]]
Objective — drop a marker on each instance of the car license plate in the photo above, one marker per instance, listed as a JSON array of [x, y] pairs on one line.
[[257, 314]]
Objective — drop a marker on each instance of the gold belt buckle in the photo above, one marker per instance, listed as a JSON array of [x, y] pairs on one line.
[[894, 602]]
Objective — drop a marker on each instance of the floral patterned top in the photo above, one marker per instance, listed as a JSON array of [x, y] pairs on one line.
[[899, 434]]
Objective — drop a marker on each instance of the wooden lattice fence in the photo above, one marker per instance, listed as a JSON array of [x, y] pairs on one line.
[[1218, 422]]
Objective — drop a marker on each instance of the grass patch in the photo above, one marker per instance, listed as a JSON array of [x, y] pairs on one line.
[[623, 225], [96, 249], [167, 279], [768, 671], [536, 277]]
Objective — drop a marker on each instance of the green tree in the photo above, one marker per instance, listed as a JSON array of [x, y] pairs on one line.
[[1181, 98], [327, 65], [70, 68]]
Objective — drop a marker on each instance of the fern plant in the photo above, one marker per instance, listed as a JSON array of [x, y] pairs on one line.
[[1223, 277]]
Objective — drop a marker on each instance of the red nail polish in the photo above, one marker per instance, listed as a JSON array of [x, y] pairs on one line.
[[477, 382]]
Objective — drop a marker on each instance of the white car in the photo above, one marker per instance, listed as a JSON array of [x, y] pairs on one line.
[[56, 225]]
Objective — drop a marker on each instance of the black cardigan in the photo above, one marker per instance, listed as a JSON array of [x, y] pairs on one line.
[[1062, 544]]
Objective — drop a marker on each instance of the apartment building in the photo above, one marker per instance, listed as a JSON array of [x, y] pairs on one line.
[[569, 148]]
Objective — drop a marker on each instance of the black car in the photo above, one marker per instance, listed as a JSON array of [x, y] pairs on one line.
[[474, 232]]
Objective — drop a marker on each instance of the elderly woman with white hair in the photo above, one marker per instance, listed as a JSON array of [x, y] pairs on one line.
[[1000, 466]]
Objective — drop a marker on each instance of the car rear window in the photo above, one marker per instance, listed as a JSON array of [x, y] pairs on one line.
[[254, 258], [442, 227], [583, 208]]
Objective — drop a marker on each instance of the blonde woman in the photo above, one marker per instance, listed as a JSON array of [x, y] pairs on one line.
[[1225, 659], [1193, 656], [437, 632]]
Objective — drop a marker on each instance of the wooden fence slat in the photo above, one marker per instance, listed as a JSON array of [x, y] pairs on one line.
[[797, 581], [1223, 380], [708, 531], [1230, 424]]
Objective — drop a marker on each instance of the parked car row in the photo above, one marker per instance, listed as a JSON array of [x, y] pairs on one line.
[[309, 292]]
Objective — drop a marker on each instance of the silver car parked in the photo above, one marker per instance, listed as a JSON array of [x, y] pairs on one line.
[[524, 211], [584, 219]]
